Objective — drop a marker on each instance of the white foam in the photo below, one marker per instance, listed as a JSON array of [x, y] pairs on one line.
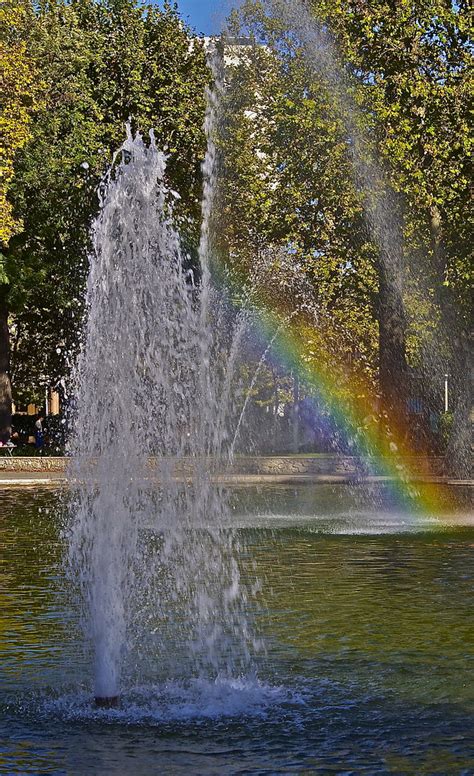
[[176, 701]]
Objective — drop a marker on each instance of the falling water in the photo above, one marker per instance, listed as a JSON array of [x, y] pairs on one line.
[[385, 224], [150, 537], [380, 202], [150, 542], [381, 208], [322, 55], [214, 302]]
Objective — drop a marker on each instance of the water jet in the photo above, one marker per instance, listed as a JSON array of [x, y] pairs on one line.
[[151, 333]]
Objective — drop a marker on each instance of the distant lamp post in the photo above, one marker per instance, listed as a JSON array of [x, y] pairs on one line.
[[446, 393]]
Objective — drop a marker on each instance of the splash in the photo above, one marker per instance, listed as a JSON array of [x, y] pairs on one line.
[[149, 539], [172, 702]]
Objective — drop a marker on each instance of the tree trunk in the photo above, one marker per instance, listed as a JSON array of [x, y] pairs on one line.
[[5, 386], [392, 355], [459, 453]]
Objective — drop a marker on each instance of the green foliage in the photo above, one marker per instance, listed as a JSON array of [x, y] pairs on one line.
[[407, 64], [20, 91], [415, 66], [446, 422], [101, 64], [291, 219]]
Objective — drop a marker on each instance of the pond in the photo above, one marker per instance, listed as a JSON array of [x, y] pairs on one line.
[[368, 626]]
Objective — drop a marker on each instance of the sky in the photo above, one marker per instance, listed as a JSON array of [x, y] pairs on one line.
[[206, 16]]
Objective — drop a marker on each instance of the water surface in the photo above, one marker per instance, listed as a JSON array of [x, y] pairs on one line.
[[367, 624]]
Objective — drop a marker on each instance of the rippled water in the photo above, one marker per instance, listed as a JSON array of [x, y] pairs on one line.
[[367, 621]]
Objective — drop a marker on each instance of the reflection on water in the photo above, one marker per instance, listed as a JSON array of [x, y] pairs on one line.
[[368, 625], [347, 509]]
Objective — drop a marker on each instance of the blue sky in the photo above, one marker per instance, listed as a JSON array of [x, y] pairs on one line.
[[205, 15]]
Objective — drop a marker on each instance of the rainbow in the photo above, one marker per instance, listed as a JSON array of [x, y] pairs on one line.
[[380, 454]]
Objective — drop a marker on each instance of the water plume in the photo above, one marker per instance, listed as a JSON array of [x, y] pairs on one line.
[[149, 539], [322, 56]]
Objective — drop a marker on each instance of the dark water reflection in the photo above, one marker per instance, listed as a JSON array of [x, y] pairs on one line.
[[368, 622]]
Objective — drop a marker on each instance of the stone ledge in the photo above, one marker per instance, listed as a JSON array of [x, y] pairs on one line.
[[33, 464], [337, 465], [264, 465]]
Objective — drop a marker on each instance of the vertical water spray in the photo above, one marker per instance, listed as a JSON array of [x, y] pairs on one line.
[[149, 537], [109, 445], [322, 55], [210, 304], [380, 203], [214, 304]]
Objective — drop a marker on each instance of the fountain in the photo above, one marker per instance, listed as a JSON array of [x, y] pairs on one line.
[[364, 610], [150, 526], [148, 437], [151, 420]]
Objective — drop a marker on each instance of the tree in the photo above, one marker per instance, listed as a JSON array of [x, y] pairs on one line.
[[291, 224], [102, 64], [20, 93], [407, 69]]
